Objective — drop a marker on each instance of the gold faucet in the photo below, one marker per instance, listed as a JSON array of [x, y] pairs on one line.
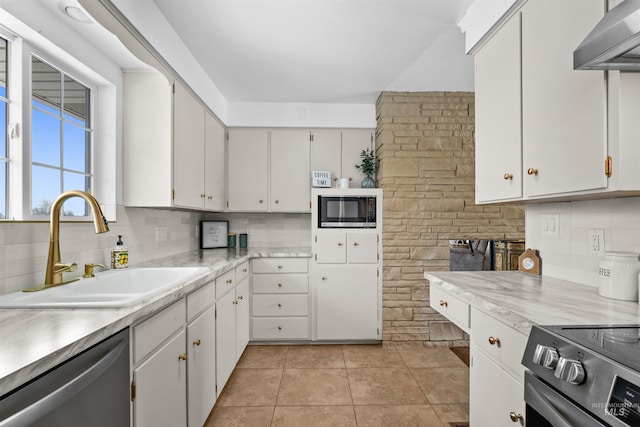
[[55, 268]]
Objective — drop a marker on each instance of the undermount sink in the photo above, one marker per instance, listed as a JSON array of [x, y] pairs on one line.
[[108, 289]]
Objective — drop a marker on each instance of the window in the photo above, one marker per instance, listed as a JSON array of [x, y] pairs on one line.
[[60, 139], [4, 157]]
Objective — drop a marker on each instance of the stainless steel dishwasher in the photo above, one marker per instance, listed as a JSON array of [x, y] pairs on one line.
[[91, 389]]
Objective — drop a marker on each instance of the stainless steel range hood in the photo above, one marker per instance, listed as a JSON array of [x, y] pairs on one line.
[[614, 43]]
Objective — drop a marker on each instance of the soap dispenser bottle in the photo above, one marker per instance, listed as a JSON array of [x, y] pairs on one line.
[[119, 255]]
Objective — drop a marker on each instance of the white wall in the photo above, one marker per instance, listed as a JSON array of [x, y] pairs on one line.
[[567, 256]]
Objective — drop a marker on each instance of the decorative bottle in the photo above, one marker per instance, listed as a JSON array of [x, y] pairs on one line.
[[119, 255]]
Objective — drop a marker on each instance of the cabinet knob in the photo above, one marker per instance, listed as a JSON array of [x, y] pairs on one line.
[[349, 179], [515, 417], [244, 270], [279, 285], [277, 201], [279, 305], [324, 277], [335, 178], [240, 297], [210, 197], [532, 171], [182, 356], [508, 176], [235, 302], [229, 281], [494, 340], [279, 267], [340, 243], [443, 303], [203, 195], [279, 328], [261, 201], [356, 244], [197, 342]]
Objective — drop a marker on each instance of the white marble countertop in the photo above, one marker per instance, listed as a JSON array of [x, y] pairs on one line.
[[36, 340], [521, 300]]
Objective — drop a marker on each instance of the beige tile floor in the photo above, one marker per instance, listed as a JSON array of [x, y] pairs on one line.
[[344, 385]]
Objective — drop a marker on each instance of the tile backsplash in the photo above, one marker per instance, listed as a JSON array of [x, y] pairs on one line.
[[567, 255], [24, 245]]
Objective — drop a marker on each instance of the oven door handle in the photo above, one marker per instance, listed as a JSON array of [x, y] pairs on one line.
[[554, 407]]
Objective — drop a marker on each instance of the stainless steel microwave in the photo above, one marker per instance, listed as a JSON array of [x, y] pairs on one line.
[[346, 211]]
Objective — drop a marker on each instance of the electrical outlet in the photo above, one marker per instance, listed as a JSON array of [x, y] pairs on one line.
[[550, 226], [596, 241], [161, 234]]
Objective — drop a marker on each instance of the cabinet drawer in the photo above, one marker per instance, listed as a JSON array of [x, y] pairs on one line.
[[508, 344], [280, 265], [200, 299], [451, 307], [225, 283], [280, 305], [154, 331], [280, 328], [242, 271], [280, 283]]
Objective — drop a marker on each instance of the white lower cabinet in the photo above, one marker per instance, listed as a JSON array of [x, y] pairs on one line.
[[161, 386], [280, 299], [496, 374], [201, 354], [346, 302], [232, 321]]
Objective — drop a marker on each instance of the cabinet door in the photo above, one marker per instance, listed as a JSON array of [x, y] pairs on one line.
[[498, 116], [290, 174], [494, 394], [353, 142], [225, 338], [346, 302], [201, 351], [188, 149], [247, 166], [326, 152], [331, 248], [362, 248], [214, 184], [161, 387], [242, 317], [564, 111]]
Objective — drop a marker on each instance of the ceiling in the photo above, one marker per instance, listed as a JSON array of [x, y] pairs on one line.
[[324, 51]]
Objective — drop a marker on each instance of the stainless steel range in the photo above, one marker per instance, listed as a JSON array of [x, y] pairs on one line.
[[583, 376]]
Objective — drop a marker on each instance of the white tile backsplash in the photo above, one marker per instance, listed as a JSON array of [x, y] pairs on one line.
[[24, 245], [567, 256]]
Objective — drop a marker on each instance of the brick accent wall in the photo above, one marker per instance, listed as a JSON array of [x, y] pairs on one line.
[[425, 144]]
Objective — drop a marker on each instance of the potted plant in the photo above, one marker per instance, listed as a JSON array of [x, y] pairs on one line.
[[367, 166]]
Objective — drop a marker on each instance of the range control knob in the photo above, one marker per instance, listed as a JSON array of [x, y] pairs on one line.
[[569, 370], [547, 357]]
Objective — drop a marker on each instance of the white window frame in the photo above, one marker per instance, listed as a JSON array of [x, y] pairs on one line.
[[103, 104]]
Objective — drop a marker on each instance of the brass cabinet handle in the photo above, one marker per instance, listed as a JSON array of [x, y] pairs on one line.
[[356, 244], [279, 305], [515, 417], [197, 342], [182, 357], [210, 197], [279, 267], [443, 303], [324, 277], [340, 243], [240, 297], [508, 176], [203, 195], [279, 285], [279, 328], [244, 270], [261, 201], [494, 340], [532, 171], [277, 201], [235, 302], [335, 178], [229, 281]]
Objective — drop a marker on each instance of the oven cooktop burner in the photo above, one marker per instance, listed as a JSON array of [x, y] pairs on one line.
[[620, 343]]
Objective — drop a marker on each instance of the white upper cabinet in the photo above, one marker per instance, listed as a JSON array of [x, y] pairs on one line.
[[248, 170], [173, 148], [290, 173], [214, 172], [188, 149], [564, 111], [338, 151], [498, 116], [541, 126]]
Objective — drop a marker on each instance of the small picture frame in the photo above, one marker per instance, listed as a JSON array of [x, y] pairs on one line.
[[213, 234]]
